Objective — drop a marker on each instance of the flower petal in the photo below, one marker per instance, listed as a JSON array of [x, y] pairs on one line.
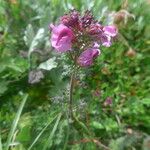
[[110, 30]]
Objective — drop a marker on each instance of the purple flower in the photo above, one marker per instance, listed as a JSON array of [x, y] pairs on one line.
[[96, 93], [76, 31], [61, 38], [110, 30], [108, 33], [87, 56], [108, 101]]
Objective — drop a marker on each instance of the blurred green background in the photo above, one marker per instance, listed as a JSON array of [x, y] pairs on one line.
[[34, 91]]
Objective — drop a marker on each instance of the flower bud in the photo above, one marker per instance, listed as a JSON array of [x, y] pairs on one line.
[[95, 29], [87, 19], [71, 20], [122, 16], [87, 56], [131, 53]]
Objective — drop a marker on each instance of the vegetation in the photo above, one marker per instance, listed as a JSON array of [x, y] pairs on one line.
[[111, 99]]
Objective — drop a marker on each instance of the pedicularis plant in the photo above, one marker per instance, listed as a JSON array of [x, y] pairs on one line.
[[81, 37]]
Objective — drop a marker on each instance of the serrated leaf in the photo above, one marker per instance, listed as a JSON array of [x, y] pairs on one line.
[[35, 76], [36, 40], [29, 35], [49, 64]]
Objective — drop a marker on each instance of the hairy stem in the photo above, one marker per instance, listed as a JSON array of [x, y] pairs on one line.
[[71, 94]]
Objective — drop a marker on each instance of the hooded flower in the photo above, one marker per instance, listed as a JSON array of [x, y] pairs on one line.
[[61, 38], [110, 30], [108, 33], [87, 56]]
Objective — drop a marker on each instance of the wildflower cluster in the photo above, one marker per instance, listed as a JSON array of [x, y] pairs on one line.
[[82, 35]]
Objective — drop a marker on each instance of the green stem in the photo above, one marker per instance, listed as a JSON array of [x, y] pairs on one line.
[[71, 94]]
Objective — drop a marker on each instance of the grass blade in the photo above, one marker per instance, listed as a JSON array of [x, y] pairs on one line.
[[67, 134], [39, 135], [0, 143], [53, 132], [15, 122]]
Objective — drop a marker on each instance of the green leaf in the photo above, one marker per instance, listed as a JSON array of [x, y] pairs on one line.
[[24, 134], [97, 125], [3, 87], [49, 64], [110, 124], [146, 101]]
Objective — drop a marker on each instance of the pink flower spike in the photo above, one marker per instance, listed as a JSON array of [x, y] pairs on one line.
[[61, 38], [110, 30], [87, 56]]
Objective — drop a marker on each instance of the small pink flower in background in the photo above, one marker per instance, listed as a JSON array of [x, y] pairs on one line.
[[96, 93], [110, 30], [108, 101], [61, 38], [87, 56]]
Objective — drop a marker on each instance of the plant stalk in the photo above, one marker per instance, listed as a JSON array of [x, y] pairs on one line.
[[71, 94]]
